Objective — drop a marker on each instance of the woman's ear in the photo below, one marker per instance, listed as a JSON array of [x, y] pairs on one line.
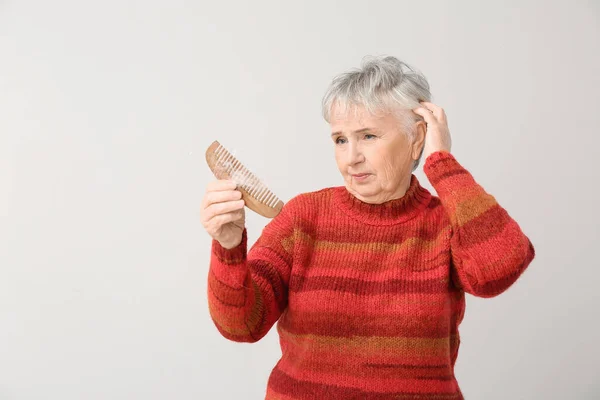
[[419, 142]]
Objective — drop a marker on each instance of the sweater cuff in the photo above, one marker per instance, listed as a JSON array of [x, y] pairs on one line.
[[233, 256], [446, 174]]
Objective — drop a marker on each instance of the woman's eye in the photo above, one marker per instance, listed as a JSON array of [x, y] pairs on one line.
[[340, 140], [368, 136]]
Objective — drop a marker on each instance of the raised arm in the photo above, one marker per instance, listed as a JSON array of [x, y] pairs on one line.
[[489, 250]]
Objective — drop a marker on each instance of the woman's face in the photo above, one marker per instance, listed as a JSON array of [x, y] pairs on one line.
[[373, 154]]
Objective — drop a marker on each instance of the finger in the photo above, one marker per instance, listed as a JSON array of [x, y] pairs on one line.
[[221, 196], [437, 111], [426, 114], [221, 184], [223, 219], [208, 213], [223, 208]]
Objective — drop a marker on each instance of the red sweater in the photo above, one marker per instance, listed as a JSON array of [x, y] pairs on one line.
[[369, 297]]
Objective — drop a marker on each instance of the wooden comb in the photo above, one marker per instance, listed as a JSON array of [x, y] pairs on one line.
[[256, 195]]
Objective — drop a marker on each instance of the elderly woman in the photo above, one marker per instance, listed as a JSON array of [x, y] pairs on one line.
[[367, 280]]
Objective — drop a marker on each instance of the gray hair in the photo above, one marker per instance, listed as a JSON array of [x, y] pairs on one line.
[[383, 83]]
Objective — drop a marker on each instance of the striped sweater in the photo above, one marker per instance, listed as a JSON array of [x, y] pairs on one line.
[[368, 298]]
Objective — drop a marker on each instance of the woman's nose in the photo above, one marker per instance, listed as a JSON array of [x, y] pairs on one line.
[[355, 156]]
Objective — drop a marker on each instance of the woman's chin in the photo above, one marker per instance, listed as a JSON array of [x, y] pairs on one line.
[[363, 191]]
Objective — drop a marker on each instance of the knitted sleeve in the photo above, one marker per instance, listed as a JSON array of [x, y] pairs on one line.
[[247, 291], [489, 250]]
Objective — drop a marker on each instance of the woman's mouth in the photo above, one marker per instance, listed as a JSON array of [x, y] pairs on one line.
[[360, 177]]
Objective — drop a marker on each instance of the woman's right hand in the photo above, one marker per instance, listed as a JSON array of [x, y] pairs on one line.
[[222, 213]]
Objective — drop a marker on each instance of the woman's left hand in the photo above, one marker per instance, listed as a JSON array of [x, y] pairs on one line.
[[437, 137]]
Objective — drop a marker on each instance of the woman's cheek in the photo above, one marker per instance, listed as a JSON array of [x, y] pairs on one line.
[[388, 169]]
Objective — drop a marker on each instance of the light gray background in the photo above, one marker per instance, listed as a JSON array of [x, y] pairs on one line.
[[106, 109]]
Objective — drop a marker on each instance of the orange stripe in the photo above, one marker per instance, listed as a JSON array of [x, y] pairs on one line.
[[369, 346], [405, 303], [424, 245], [473, 203]]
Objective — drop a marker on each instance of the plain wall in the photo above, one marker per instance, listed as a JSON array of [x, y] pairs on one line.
[[106, 109]]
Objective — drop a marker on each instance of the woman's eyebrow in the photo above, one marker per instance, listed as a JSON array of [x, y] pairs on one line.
[[363, 130]]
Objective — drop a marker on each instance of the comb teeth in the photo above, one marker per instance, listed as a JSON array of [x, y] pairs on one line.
[[243, 177]]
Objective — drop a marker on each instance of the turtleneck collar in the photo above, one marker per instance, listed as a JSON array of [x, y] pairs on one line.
[[391, 212]]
